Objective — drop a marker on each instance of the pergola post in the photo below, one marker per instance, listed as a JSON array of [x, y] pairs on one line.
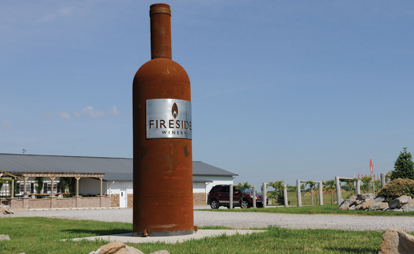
[[77, 186], [51, 189], [100, 178], [25, 190], [12, 188]]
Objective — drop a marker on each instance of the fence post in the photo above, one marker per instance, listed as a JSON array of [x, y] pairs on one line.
[[382, 180], [298, 194], [254, 196], [231, 196], [320, 193], [338, 191], [358, 187], [285, 197], [264, 194]]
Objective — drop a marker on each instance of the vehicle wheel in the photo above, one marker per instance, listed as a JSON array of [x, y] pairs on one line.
[[244, 204], [214, 204]]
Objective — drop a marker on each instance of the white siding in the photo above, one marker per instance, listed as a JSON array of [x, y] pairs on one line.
[[116, 187]]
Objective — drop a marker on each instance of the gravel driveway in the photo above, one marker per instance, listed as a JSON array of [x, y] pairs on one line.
[[243, 220]]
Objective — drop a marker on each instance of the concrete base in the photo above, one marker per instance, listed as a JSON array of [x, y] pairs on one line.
[[128, 238]]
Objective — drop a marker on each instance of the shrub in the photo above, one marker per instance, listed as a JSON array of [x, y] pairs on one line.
[[397, 188]]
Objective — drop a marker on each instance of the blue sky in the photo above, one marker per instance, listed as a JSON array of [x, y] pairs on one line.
[[281, 90]]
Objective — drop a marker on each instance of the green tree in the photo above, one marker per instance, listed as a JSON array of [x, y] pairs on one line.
[[377, 184], [330, 185], [291, 188], [278, 185], [243, 186], [311, 185], [403, 166], [366, 180], [302, 189], [39, 186]]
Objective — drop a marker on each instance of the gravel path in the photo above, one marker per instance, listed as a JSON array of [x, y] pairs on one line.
[[243, 220]]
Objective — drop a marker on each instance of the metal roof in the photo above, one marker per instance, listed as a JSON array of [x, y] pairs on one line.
[[201, 168], [115, 169]]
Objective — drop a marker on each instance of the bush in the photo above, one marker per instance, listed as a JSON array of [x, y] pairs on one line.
[[397, 188]]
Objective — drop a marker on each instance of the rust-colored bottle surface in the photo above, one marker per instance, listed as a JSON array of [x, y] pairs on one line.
[[163, 195]]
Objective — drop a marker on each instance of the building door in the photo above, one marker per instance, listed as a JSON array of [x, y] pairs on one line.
[[122, 199]]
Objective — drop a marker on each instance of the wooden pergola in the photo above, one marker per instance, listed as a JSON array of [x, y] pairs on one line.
[[52, 177]]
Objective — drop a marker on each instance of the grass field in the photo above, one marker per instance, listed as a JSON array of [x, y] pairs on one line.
[[43, 235], [307, 198], [316, 209]]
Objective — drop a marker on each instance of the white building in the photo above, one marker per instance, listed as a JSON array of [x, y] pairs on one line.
[[116, 181]]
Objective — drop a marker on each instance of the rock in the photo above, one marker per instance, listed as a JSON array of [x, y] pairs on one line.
[[396, 241], [378, 206], [344, 203], [132, 250], [5, 210], [399, 202], [111, 248], [160, 252], [410, 203], [352, 207], [4, 238], [365, 196], [379, 199], [347, 203], [366, 204]]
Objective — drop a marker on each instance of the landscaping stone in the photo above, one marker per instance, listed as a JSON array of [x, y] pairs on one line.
[[5, 209], [120, 248], [111, 248], [399, 202], [410, 203], [366, 204], [365, 196], [4, 238], [396, 241], [132, 250], [378, 206], [379, 199]]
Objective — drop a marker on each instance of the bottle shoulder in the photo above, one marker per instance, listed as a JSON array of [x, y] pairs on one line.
[[161, 69]]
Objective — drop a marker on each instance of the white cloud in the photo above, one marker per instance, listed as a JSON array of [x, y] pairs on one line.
[[113, 111], [64, 115], [89, 111], [76, 114]]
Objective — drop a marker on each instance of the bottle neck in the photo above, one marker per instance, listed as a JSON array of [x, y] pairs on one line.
[[160, 15]]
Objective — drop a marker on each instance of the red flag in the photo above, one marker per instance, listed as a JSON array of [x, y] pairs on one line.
[[371, 166]]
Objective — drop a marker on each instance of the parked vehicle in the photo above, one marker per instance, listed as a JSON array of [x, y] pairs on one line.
[[219, 195]]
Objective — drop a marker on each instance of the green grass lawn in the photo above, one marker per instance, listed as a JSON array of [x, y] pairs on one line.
[[43, 235], [316, 209], [307, 198]]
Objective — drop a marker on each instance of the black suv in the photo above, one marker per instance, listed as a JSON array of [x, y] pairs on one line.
[[219, 195]]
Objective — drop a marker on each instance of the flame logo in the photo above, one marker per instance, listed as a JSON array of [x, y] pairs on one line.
[[174, 111]]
